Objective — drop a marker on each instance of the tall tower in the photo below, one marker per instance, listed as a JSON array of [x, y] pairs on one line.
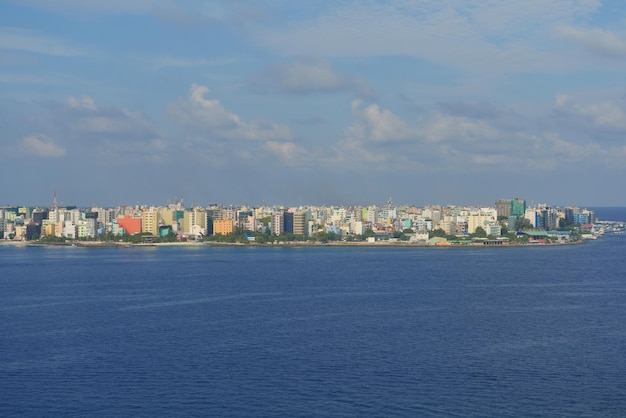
[[54, 215]]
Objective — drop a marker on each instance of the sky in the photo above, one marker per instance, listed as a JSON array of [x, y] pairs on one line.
[[342, 102]]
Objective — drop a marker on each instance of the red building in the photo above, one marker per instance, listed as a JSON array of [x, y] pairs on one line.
[[130, 225]]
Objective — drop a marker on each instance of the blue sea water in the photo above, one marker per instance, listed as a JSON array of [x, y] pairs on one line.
[[317, 331], [607, 213]]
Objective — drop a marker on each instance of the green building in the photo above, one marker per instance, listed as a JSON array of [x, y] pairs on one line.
[[518, 207]]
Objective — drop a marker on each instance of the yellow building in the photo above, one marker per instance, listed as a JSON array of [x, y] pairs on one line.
[[300, 223], [20, 231], [222, 226], [25, 212], [201, 215], [150, 221], [194, 221], [47, 228], [166, 216]]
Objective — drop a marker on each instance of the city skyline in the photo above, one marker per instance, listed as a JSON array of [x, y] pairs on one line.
[[180, 202], [344, 102], [175, 222]]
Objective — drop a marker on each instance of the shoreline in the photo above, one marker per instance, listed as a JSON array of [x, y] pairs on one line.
[[383, 244], [389, 244]]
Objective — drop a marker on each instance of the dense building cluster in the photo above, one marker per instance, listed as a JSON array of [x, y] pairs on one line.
[[174, 220]]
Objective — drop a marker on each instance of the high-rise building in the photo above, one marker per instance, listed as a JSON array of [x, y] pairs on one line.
[[371, 215], [300, 224], [39, 215], [223, 226], [150, 221], [47, 228], [569, 215], [534, 217], [33, 231], [503, 207], [278, 223], [288, 222], [167, 216], [194, 221], [87, 228], [480, 218], [209, 223], [91, 224], [518, 207]]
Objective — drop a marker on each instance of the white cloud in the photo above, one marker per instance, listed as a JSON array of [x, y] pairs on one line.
[[209, 117], [374, 139], [355, 152], [308, 75], [41, 146], [374, 124], [562, 99], [483, 139], [378, 136], [286, 151], [570, 151], [485, 36], [107, 135], [596, 40], [84, 102], [605, 114], [16, 39], [87, 120], [122, 124], [458, 129]]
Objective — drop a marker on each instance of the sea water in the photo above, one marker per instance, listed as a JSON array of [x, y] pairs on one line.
[[315, 331], [616, 214]]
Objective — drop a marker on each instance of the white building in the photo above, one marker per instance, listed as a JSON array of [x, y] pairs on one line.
[[278, 223], [69, 229], [480, 218], [357, 227], [493, 229]]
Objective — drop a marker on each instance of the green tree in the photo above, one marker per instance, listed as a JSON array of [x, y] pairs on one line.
[[522, 223], [369, 233], [440, 233], [479, 233], [325, 237]]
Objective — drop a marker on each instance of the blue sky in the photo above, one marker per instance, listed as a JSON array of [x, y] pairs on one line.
[[325, 102]]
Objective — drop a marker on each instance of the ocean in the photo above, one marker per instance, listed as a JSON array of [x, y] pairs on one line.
[[314, 331], [604, 213]]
